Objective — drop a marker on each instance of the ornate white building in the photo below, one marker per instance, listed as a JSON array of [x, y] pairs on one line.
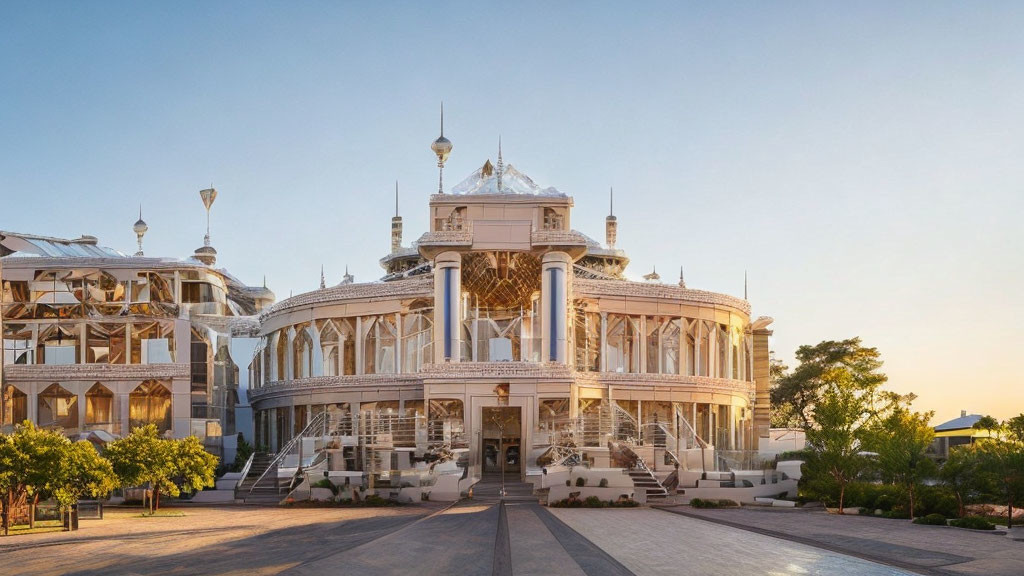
[[504, 340]]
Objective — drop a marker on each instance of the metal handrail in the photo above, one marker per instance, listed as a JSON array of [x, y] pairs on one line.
[[700, 441], [320, 420], [245, 471], [670, 440]]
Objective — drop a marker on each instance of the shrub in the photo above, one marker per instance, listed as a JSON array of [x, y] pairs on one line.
[[603, 483], [581, 481], [884, 502], [593, 502], [802, 455], [897, 513], [568, 483], [931, 520], [721, 503], [972, 522], [624, 503], [325, 483]]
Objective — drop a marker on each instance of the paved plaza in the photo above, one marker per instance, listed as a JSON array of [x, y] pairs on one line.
[[520, 538]]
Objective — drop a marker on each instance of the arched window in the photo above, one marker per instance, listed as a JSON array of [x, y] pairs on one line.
[[150, 403], [58, 408], [99, 406], [15, 406]]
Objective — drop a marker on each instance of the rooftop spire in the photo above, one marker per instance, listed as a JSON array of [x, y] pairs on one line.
[[744, 284], [682, 280], [396, 226], [611, 225], [611, 201], [396, 198], [501, 165], [323, 281], [441, 147], [140, 229]]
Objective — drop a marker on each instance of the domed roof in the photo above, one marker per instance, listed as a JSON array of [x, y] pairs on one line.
[[484, 180]]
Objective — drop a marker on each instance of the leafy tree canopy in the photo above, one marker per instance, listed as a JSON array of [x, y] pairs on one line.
[[798, 393]]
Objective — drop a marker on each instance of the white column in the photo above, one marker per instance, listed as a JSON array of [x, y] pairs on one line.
[[289, 354], [398, 342], [448, 300], [123, 409], [643, 344], [555, 268], [696, 348], [604, 341], [316, 367], [359, 345], [275, 339]]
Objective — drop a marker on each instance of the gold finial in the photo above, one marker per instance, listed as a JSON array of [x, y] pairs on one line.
[[441, 147]]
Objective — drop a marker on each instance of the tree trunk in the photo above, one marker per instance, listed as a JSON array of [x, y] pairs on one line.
[[32, 511], [911, 502], [959, 504], [1009, 514], [842, 493], [156, 500], [8, 503]]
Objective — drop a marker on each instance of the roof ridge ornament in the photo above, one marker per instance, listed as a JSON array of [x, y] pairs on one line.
[[323, 281]]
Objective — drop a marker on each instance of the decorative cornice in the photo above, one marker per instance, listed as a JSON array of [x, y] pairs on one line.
[[558, 238], [323, 383], [462, 237], [619, 288], [237, 326], [410, 288], [48, 373], [511, 370], [604, 379]]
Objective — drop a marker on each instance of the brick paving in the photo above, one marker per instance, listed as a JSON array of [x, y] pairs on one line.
[[649, 541], [480, 538], [936, 550]]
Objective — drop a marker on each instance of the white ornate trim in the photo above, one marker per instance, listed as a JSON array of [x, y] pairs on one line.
[[619, 288], [43, 372], [410, 288]]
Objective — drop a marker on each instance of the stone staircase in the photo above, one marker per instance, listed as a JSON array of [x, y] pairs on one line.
[[489, 489], [268, 492], [644, 480]]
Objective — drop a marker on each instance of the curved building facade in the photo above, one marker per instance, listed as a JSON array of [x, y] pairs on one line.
[[509, 341]]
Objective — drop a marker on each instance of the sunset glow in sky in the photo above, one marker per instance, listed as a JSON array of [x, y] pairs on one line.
[[864, 164]]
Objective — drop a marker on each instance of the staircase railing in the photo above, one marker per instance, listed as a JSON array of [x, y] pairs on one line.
[[697, 440], [661, 437], [317, 428], [245, 471], [625, 425]]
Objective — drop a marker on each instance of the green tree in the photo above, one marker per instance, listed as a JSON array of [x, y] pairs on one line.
[[988, 424], [1015, 428], [194, 466], [800, 391], [143, 458], [11, 462], [901, 441], [82, 472], [838, 434], [1002, 465], [960, 473], [31, 459]]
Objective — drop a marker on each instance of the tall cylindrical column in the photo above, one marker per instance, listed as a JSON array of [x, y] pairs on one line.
[[447, 303], [555, 268]]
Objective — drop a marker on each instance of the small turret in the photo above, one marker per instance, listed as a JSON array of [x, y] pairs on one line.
[[653, 276], [611, 225], [441, 148], [396, 226], [140, 229], [206, 253], [347, 278]]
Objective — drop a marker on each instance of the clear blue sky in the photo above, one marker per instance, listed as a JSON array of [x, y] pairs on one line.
[[864, 164]]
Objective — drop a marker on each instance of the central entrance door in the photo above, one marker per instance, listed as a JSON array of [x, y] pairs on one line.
[[501, 442]]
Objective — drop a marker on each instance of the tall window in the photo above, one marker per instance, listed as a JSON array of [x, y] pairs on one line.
[[99, 403], [15, 406], [58, 408], [623, 346], [150, 403]]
